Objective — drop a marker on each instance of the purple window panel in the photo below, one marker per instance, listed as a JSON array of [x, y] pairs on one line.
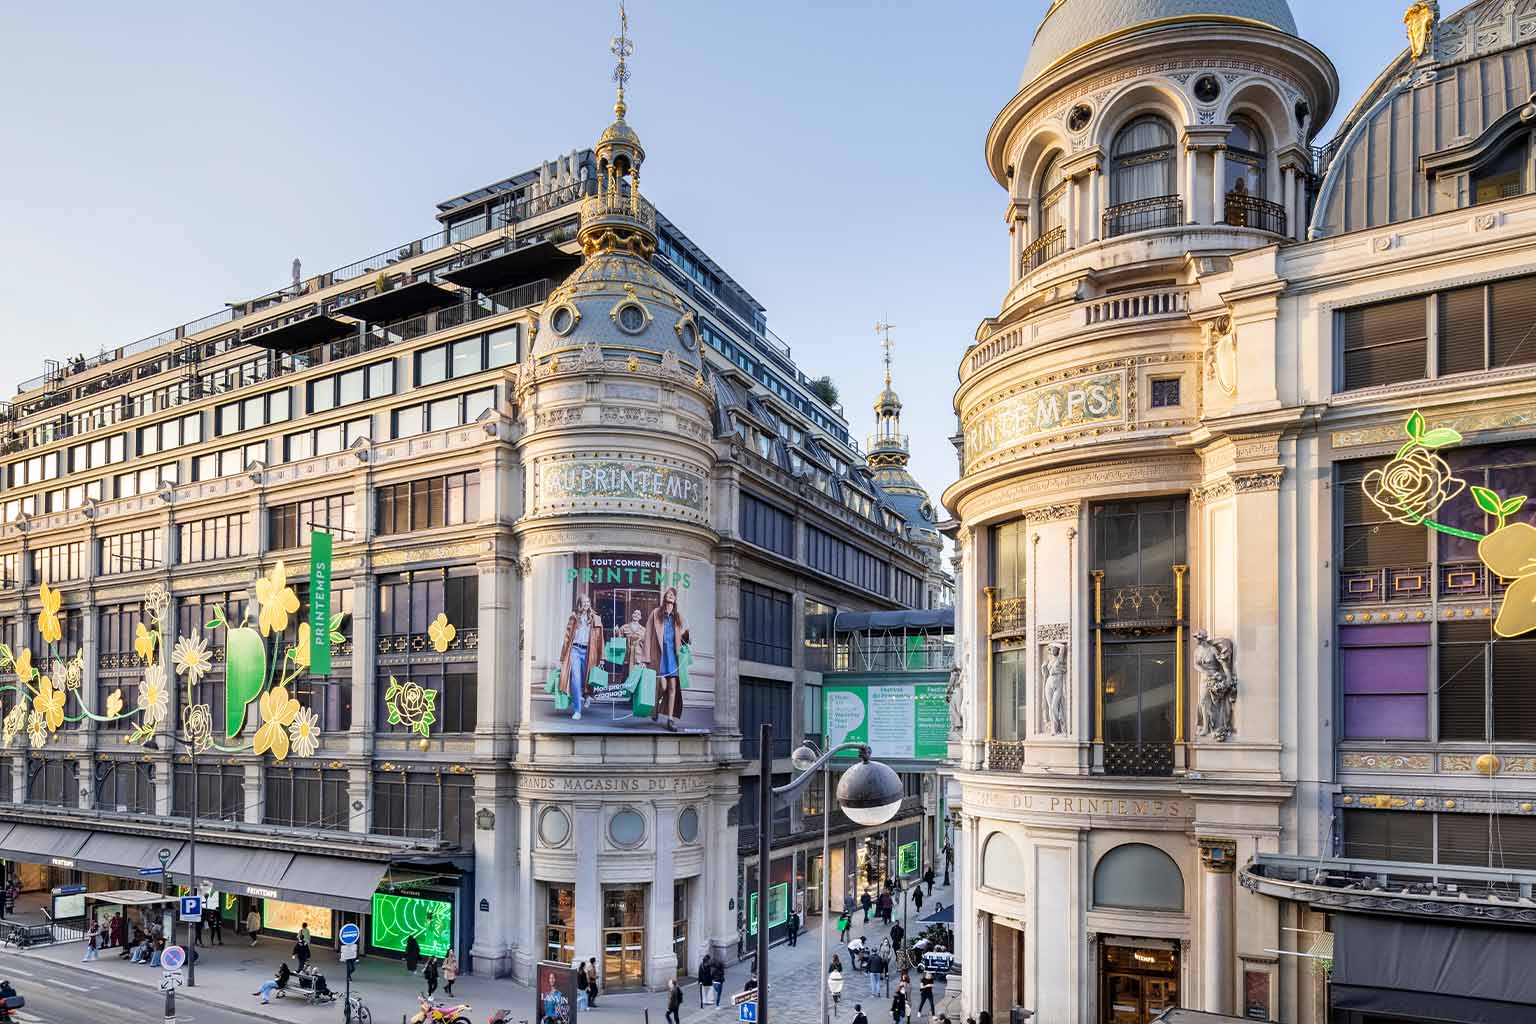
[[1386, 670], [1385, 684], [1383, 636], [1397, 717]]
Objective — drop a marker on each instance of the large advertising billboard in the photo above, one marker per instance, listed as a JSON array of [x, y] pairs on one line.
[[396, 918], [908, 723], [629, 648], [555, 993]]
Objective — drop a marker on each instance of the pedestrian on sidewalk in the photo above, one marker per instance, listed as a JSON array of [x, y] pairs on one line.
[[848, 903], [592, 981], [897, 934], [877, 968], [794, 927], [429, 975], [253, 923], [858, 1015], [844, 922], [674, 1001], [917, 898], [450, 971], [925, 994], [717, 979], [217, 924], [866, 903], [899, 1007], [412, 954], [836, 964], [706, 976], [91, 936], [116, 929], [928, 878], [835, 986], [583, 991]]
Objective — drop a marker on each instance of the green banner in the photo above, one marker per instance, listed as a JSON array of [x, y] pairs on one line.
[[320, 603], [778, 907], [897, 722], [906, 859]]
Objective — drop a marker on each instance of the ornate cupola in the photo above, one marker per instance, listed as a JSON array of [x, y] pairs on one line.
[[617, 220], [888, 454], [888, 445]]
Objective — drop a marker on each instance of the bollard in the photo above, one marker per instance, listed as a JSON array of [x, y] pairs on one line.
[[170, 1007]]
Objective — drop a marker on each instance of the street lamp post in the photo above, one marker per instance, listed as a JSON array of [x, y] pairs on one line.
[[870, 793]]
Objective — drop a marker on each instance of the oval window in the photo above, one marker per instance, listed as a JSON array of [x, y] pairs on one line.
[[554, 827], [627, 828], [690, 337], [632, 319], [688, 825], [562, 320]]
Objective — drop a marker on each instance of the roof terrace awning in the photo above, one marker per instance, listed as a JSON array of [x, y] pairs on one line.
[[399, 302], [297, 331], [520, 265]]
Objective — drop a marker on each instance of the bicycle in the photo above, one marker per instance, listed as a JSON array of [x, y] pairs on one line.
[[357, 1013]]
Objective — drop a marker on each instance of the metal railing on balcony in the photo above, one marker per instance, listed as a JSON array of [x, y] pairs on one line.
[[1143, 215], [1245, 210], [1138, 610], [1047, 247], [1153, 302]]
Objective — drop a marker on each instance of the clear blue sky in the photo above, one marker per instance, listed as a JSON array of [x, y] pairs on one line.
[[163, 158]]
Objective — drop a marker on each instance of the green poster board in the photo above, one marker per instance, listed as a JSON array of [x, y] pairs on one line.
[[320, 603], [778, 907], [397, 918], [916, 653], [897, 722], [906, 859]]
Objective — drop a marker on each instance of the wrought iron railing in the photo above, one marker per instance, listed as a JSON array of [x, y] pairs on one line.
[[1143, 215], [1394, 584], [1138, 609], [1245, 210], [1047, 247], [1138, 759], [1005, 755]]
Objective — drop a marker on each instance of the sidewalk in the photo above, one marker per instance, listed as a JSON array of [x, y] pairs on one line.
[[228, 975]]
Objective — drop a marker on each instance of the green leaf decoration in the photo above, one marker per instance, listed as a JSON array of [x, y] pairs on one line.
[[1512, 506], [140, 734], [1415, 425], [1440, 437], [389, 701], [429, 716], [1487, 500], [6, 657], [245, 671]]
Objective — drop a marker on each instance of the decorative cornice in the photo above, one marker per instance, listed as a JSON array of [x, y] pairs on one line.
[[1260, 480], [1052, 631], [1067, 510]]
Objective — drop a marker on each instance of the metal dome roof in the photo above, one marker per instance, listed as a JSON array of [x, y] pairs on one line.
[[1072, 24]]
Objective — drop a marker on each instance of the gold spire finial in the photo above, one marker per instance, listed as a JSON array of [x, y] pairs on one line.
[[884, 330], [622, 47]]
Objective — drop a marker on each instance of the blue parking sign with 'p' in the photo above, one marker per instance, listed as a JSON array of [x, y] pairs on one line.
[[191, 908], [747, 1013]]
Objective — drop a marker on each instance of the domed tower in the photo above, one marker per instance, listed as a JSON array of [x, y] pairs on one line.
[[887, 453], [622, 799], [1121, 437]]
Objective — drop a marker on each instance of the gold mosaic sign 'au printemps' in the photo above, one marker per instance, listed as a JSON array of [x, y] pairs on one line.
[[1048, 409], [633, 479]]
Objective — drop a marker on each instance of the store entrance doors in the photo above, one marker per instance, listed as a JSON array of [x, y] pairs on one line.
[[1138, 979], [623, 938]]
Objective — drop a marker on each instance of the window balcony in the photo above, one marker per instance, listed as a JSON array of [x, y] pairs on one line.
[[1245, 210], [1047, 247], [1143, 215], [1141, 759]]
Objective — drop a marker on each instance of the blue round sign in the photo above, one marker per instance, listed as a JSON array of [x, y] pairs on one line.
[[172, 957], [349, 934]]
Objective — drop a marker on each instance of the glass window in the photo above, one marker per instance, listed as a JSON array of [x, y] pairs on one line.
[[1246, 166], [351, 387], [477, 402], [1503, 178], [1139, 877], [466, 356], [359, 428], [502, 346], [277, 406], [322, 395], [1385, 677], [431, 366], [443, 413], [1053, 197], [1143, 161], [299, 446], [328, 440], [253, 412], [381, 379], [408, 421]]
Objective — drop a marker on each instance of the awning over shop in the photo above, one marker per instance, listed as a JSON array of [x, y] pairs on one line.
[[1416, 968], [43, 844], [244, 870], [116, 853], [333, 881]]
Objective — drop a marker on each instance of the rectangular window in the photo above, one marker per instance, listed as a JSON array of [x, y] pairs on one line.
[[250, 413], [373, 381], [307, 798], [58, 563], [818, 636], [423, 504], [213, 539], [1385, 681], [53, 782], [1010, 688], [1165, 393], [1385, 343], [1008, 551], [131, 552], [290, 525], [1389, 835], [767, 624], [125, 786], [766, 700], [766, 525], [220, 791]]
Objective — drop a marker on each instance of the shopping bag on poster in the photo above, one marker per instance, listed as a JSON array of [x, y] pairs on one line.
[[562, 701], [643, 700], [684, 664], [615, 649], [632, 681], [552, 681], [597, 678]]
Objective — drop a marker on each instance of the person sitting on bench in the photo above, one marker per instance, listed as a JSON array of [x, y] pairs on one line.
[[277, 983]]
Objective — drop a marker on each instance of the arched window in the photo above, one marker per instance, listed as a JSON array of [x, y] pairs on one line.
[[1053, 197], [1143, 164], [1503, 177], [1247, 170], [1002, 867], [1138, 877]]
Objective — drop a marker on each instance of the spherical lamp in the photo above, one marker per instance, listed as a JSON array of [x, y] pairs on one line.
[[870, 793], [804, 757]]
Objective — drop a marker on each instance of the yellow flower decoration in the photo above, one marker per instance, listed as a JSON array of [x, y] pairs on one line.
[[278, 711], [305, 733], [114, 703], [23, 665], [301, 651], [15, 722], [442, 632], [1510, 551], [37, 729], [144, 643], [48, 617], [154, 698], [277, 599], [49, 703]]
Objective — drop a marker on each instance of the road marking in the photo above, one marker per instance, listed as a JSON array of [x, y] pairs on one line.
[[77, 988], [19, 972]]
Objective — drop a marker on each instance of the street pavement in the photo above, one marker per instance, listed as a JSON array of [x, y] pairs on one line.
[[61, 990]]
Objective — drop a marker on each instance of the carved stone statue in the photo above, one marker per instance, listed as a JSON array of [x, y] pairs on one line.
[[955, 697], [1221, 354], [1421, 20], [1053, 670], [1218, 686]]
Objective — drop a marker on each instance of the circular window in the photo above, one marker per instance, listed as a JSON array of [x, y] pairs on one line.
[[688, 825], [1079, 117], [627, 828], [690, 336], [1207, 88], [632, 319], [563, 320], [554, 827]]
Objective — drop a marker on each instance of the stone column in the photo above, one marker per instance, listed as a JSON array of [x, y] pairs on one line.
[[1218, 956], [1218, 184], [1095, 207], [587, 821], [496, 851], [1187, 183], [1299, 229], [1288, 196], [255, 792], [526, 938], [658, 940]]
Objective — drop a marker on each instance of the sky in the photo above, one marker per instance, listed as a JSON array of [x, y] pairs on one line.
[[161, 159]]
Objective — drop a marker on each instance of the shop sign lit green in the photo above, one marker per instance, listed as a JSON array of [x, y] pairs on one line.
[[320, 603], [396, 918], [906, 858], [778, 907]]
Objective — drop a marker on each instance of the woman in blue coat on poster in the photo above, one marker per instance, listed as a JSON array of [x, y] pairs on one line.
[[666, 634]]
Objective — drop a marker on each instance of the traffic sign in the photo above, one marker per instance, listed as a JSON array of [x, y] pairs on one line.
[[147, 872], [171, 959], [747, 1013], [749, 996], [191, 908], [170, 981], [348, 951], [349, 934]]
